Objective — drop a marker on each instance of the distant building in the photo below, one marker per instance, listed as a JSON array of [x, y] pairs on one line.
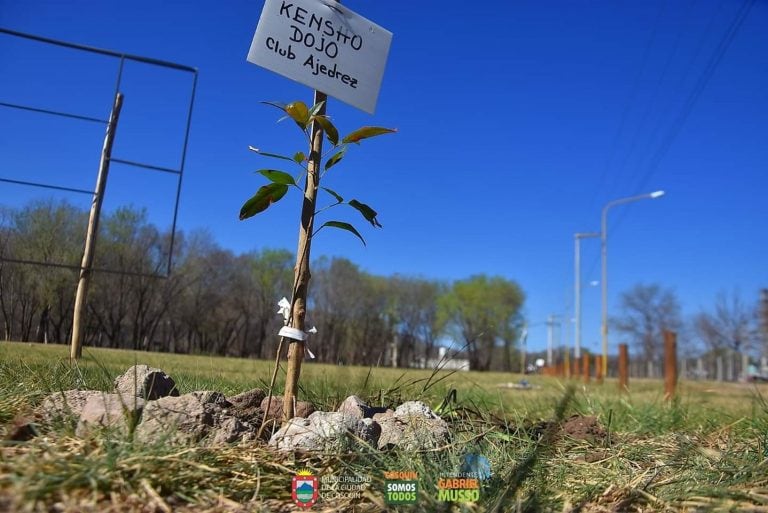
[[445, 359]]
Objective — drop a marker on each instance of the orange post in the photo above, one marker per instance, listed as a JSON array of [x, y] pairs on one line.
[[599, 368], [623, 367], [585, 366], [670, 364]]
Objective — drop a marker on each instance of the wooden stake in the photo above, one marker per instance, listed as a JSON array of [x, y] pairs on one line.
[[599, 368], [76, 349], [301, 272], [585, 366], [670, 364], [623, 368]]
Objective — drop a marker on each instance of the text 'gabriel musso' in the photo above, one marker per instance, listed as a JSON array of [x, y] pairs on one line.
[[318, 34]]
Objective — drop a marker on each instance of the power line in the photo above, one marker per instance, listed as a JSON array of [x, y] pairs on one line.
[[701, 84], [647, 114], [688, 106], [630, 101]]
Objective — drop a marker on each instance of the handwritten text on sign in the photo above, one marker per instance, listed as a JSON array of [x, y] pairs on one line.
[[324, 45]]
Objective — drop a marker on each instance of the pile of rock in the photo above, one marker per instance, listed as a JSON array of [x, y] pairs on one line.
[[146, 401], [412, 426]]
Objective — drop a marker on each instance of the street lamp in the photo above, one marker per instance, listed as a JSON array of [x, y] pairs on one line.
[[552, 321], [577, 289], [604, 254]]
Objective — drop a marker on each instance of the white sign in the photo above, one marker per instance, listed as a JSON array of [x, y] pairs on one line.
[[324, 45]]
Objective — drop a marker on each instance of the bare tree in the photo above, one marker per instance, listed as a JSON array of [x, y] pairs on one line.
[[414, 308], [350, 310], [216, 301], [35, 301], [646, 311], [731, 325]]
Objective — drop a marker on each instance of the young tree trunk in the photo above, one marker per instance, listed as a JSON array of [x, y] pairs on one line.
[[301, 272]]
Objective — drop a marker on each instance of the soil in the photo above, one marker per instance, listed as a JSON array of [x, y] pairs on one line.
[[584, 428], [577, 427]]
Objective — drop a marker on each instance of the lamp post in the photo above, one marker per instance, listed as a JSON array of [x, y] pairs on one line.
[[552, 321], [523, 344], [604, 255], [577, 289]]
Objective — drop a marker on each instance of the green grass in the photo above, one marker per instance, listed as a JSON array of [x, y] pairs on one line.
[[706, 450]]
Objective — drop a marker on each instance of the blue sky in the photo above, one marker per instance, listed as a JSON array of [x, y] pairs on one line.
[[518, 122]]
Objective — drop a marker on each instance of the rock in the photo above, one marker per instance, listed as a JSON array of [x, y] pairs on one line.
[[191, 418], [415, 408], [388, 413], [369, 431], [21, 429], [230, 430], [275, 403], [109, 410], [296, 434], [145, 382], [247, 406], [249, 399], [179, 419], [325, 431], [392, 431], [356, 407], [211, 397], [353, 406], [413, 426], [304, 409], [63, 405]]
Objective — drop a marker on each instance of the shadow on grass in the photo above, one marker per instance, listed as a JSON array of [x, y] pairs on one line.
[[526, 468]]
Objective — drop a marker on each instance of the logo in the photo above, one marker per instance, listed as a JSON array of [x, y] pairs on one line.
[[464, 485], [344, 486], [476, 465], [401, 487], [304, 489], [458, 489]]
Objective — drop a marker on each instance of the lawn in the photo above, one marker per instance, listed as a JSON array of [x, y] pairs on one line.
[[559, 446]]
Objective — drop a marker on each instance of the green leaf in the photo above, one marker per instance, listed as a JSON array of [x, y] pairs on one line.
[[330, 131], [273, 155], [299, 112], [344, 226], [334, 194], [299, 157], [278, 105], [335, 158], [366, 132], [316, 108], [264, 197], [276, 176], [368, 213]]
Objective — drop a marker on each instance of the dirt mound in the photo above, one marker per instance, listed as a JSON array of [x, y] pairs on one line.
[[584, 428]]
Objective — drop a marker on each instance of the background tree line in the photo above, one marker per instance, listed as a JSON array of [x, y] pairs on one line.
[[219, 302], [731, 325]]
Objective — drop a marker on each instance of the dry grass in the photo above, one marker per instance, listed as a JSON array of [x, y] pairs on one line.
[[707, 450]]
